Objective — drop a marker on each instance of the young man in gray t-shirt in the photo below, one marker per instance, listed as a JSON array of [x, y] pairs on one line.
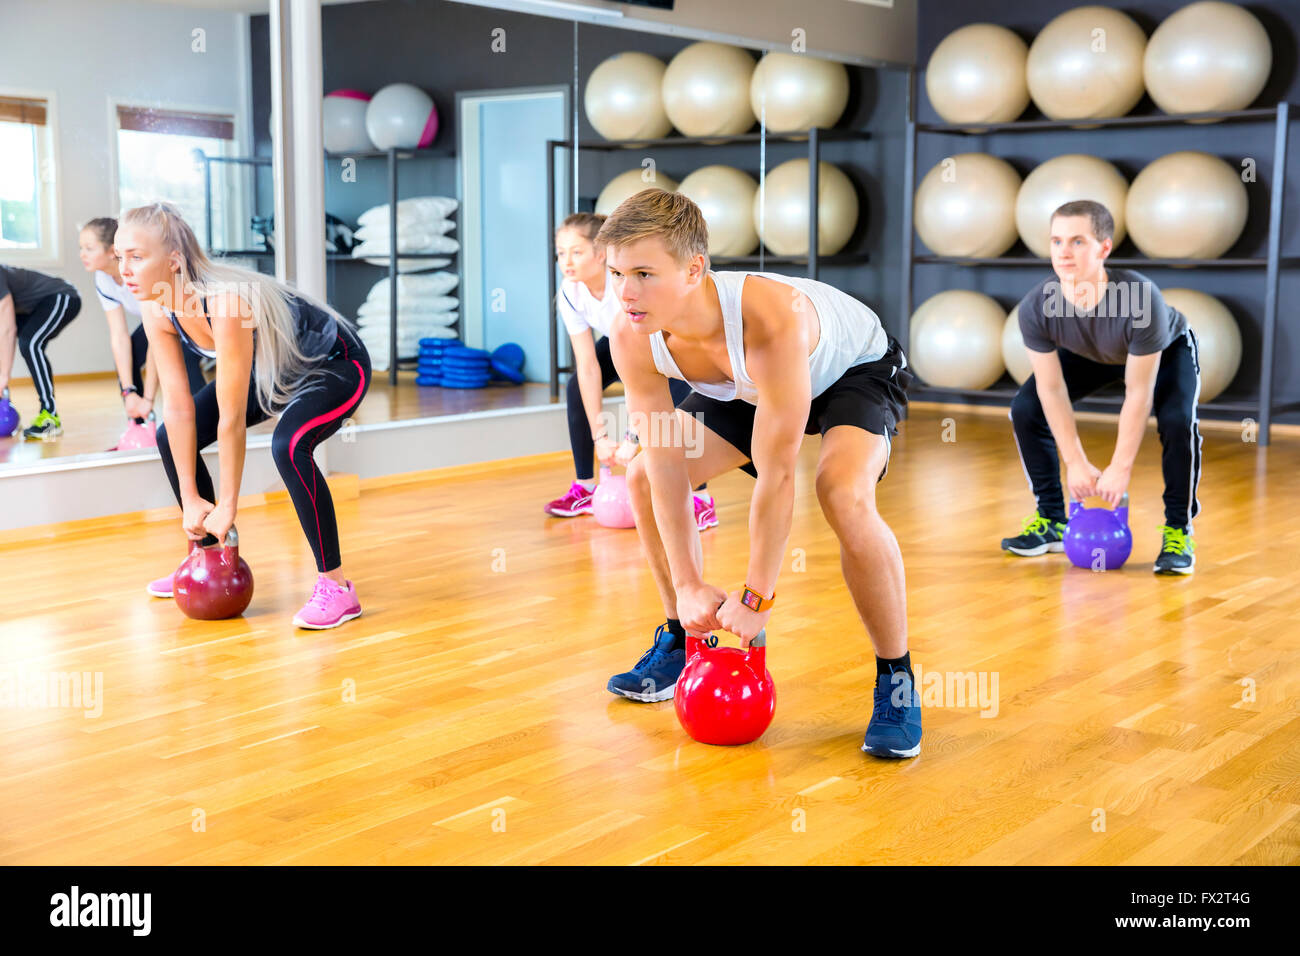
[[1085, 327]]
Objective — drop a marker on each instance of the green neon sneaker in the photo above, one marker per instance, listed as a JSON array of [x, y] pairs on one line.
[[1176, 553], [45, 427], [1039, 536]]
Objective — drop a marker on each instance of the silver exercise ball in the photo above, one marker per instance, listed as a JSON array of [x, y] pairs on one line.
[[1087, 64], [706, 90], [725, 196], [977, 75], [966, 206], [628, 184], [1014, 356], [781, 209], [624, 97], [1186, 205], [1064, 179], [794, 92], [1207, 56], [956, 340], [1218, 338]]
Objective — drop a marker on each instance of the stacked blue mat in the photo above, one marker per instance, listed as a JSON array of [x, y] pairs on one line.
[[446, 363]]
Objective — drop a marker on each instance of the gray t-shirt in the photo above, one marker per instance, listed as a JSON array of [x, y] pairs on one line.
[[28, 287], [1131, 318]]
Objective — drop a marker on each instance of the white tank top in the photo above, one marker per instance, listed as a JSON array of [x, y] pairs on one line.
[[851, 334]]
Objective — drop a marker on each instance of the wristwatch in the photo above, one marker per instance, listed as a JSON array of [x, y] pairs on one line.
[[755, 601]]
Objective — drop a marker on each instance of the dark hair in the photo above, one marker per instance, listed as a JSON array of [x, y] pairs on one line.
[[1103, 223], [104, 228], [586, 223]]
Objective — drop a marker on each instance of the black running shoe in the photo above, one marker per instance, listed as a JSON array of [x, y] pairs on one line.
[[1039, 536], [1176, 553]]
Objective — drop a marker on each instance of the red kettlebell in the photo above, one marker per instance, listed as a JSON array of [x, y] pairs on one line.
[[213, 583], [725, 695]]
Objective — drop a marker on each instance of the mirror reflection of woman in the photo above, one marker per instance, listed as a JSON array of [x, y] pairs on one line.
[[278, 353], [130, 348], [588, 306]]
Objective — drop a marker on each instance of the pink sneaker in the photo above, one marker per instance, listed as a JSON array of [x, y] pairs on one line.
[[705, 516], [162, 587], [330, 605], [576, 502]]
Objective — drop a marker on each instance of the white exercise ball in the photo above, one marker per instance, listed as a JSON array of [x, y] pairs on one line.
[[1064, 179], [1208, 56], [792, 92], [1218, 338], [1014, 356], [624, 97], [401, 116], [1087, 64], [966, 206], [1186, 205], [977, 75], [343, 116], [628, 184], [956, 340], [725, 196], [781, 209], [706, 90]]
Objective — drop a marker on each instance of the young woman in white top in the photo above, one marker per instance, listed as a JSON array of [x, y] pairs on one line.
[[130, 349], [588, 305]]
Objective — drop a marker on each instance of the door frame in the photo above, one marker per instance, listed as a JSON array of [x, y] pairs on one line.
[[469, 188]]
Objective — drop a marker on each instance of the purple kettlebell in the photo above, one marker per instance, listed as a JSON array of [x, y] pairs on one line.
[[1098, 538], [9, 420]]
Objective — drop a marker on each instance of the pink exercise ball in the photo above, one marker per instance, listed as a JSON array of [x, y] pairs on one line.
[[402, 116]]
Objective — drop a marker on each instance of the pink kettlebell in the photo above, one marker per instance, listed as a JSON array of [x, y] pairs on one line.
[[610, 503], [139, 435]]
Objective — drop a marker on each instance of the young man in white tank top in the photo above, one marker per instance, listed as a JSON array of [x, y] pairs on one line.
[[769, 359]]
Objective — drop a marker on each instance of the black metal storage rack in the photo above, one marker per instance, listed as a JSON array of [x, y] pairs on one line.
[[1264, 407], [391, 156], [814, 138]]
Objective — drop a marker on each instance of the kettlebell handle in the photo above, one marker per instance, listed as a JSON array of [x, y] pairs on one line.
[[232, 538]]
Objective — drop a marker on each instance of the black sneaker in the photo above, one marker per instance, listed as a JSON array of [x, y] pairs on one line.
[[1176, 553], [1039, 536]]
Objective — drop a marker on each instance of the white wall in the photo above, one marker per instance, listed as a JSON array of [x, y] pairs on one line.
[[87, 54]]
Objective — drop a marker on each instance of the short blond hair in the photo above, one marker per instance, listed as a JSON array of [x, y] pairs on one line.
[[656, 214]]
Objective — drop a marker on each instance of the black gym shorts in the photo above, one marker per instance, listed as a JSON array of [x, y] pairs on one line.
[[871, 396]]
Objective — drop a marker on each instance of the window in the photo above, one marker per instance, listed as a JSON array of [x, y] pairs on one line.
[[160, 155], [27, 197]]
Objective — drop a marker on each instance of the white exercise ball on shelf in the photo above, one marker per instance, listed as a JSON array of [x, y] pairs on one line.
[[1087, 64], [1065, 179], [1207, 57], [794, 92], [725, 196], [1014, 356], [781, 209], [956, 340], [401, 116], [966, 206], [1218, 338], [628, 184], [1186, 205], [977, 75], [706, 90], [624, 97], [343, 117]]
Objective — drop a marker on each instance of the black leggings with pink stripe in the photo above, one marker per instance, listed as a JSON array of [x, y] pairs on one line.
[[311, 417]]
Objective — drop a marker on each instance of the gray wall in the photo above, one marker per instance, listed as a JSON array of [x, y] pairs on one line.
[[444, 47], [1242, 290]]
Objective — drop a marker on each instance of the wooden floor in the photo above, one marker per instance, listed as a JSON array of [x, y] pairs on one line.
[[93, 419], [464, 717]]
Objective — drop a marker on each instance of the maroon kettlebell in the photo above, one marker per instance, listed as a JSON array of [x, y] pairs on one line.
[[213, 583]]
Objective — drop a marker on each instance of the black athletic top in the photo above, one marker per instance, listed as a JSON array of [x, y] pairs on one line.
[[29, 287], [317, 329]]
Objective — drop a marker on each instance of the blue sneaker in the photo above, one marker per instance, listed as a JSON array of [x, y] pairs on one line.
[[655, 675], [895, 728]]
